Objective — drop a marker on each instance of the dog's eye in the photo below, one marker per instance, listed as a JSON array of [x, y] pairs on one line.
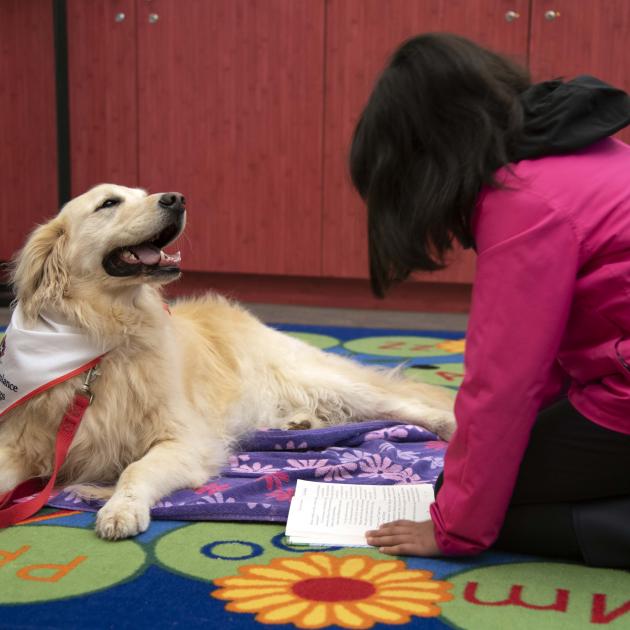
[[108, 203]]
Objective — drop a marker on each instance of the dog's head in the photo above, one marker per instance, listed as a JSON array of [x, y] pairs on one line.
[[109, 239]]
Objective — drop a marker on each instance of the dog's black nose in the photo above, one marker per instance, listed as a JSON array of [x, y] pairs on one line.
[[173, 201]]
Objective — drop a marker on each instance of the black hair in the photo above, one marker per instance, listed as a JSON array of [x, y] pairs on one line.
[[440, 121]]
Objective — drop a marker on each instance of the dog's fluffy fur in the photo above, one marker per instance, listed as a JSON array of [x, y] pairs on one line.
[[177, 389]]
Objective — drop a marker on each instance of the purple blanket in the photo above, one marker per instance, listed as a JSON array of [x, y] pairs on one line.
[[259, 481]]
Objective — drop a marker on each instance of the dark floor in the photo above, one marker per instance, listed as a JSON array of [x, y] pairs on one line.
[[284, 314], [361, 318]]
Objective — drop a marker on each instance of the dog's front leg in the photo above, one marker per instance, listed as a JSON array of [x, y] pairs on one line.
[[168, 466], [12, 469]]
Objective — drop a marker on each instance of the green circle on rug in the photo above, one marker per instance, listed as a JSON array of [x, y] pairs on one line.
[[319, 341], [401, 346], [182, 550], [447, 374], [46, 563], [210, 550], [541, 595]]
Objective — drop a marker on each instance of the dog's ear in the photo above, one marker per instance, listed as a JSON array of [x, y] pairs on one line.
[[39, 271]]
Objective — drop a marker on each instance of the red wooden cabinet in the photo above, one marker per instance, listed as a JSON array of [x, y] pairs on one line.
[[230, 96], [360, 36], [219, 99], [571, 37], [28, 151], [248, 107], [102, 77]]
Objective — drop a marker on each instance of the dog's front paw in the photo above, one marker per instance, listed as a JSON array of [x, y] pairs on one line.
[[122, 518], [9, 474], [8, 480]]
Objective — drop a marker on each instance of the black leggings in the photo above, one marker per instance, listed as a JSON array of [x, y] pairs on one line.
[[574, 478]]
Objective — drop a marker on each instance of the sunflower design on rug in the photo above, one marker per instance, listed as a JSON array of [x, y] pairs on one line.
[[318, 590]]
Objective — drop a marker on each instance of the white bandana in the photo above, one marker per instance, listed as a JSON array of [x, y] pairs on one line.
[[36, 358]]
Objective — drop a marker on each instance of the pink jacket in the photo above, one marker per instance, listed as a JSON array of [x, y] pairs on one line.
[[551, 307]]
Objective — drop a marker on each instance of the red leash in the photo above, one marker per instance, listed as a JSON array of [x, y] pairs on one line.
[[11, 512]]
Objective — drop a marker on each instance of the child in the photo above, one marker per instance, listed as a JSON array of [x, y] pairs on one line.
[[456, 144]]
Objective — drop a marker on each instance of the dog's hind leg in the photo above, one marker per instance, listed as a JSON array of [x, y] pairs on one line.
[[344, 391], [168, 466], [397, 398]]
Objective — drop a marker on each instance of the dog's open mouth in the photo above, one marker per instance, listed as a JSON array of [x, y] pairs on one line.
[[147, 257]]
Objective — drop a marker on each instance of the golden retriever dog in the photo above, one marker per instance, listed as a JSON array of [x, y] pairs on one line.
[[177, 389]]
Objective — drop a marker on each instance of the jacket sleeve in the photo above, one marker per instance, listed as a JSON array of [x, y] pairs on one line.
[[523, 290]]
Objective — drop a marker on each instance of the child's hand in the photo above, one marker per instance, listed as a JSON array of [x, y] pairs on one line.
[[405, 538]]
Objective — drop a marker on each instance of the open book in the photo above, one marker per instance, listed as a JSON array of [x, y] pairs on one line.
[[340, 514]]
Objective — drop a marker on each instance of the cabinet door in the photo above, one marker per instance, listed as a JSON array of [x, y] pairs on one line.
[[361, 34], [28, 151], [571, 37], [102, 93], [231, 111]]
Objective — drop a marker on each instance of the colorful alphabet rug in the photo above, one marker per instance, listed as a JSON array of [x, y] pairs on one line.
[[214, 556]]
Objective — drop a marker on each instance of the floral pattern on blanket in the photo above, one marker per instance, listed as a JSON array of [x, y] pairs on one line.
[[259, 480]]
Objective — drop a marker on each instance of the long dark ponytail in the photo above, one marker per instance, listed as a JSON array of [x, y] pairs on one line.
[[440, 121]]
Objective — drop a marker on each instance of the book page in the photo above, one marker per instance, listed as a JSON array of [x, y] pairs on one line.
[[340, 514]]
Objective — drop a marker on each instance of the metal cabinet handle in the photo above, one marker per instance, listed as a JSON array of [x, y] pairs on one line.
[[153, 18], [551, 15], [119, 17], [510, 16]]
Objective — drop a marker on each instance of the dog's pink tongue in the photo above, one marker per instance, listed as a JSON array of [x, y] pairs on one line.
[[147, 254]]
